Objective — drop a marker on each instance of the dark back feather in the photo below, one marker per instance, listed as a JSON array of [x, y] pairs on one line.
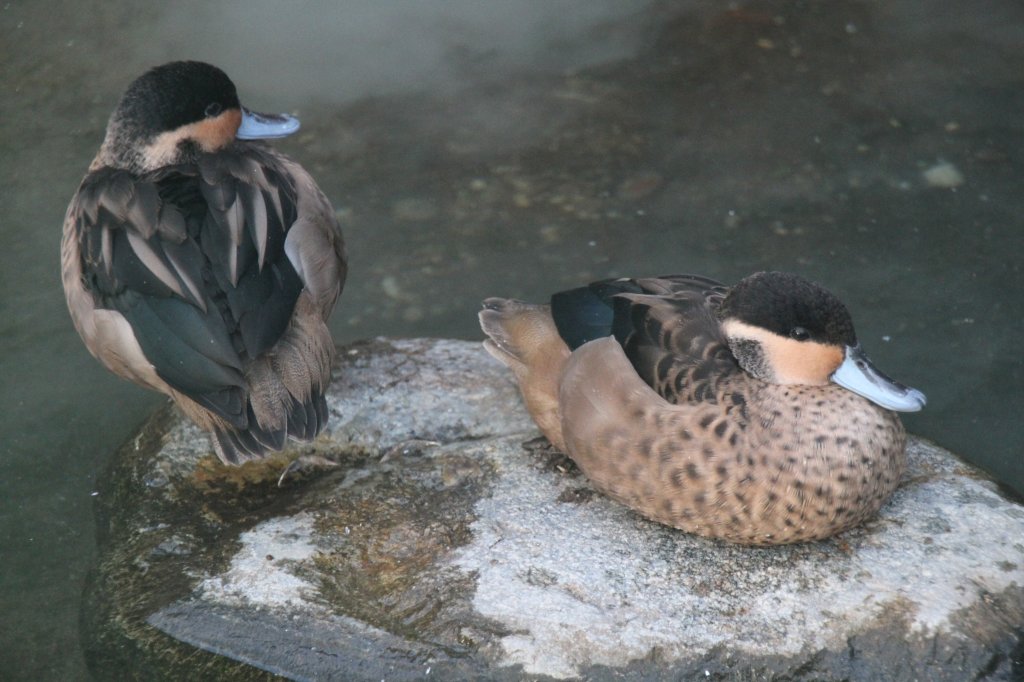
[[666, 326], [193, 256]]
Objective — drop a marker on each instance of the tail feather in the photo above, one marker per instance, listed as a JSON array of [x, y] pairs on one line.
[[237, 446], [496, 320], [285, 391], [304, 421], [523, 336]]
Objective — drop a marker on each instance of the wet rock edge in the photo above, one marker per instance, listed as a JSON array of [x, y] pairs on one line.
[[130, 636]]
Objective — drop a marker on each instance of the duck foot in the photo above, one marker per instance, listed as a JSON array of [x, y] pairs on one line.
[[549, 458], [306, 462]]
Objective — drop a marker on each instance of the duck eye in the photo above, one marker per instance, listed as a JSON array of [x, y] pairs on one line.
[[799, 333], [213, 109]]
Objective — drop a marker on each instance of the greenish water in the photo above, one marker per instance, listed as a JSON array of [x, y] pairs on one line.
[[515, 149]]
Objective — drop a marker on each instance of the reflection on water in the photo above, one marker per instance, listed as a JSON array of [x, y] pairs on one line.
[[514, 149]]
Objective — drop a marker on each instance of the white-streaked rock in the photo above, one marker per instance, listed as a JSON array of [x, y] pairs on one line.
[[260, 573], [440, 543], [595, 584]]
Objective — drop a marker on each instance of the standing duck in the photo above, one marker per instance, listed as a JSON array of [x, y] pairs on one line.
[[203, 264], [749, 413]]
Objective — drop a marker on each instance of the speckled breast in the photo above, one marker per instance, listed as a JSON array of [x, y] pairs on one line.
[[783, 464]]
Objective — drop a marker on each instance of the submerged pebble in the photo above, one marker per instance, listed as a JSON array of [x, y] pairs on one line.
[[944, 175]]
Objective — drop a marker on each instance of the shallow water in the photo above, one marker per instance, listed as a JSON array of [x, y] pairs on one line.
[[515, 149]]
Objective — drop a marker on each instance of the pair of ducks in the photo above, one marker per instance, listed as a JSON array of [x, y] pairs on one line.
[[202, 264]]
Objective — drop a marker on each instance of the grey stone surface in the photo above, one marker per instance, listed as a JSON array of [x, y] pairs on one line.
[[441, 547]]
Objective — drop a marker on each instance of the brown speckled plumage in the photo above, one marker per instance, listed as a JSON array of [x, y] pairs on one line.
[[662, 417]]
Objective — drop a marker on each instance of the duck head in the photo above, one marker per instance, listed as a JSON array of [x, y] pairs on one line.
[[173, 112], [784, 329]]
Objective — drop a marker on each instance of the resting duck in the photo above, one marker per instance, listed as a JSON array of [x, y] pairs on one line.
[[204, 265], [749, 413]]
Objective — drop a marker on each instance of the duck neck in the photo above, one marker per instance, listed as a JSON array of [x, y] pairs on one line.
[[123, 148], [751, 357], [117, 151]]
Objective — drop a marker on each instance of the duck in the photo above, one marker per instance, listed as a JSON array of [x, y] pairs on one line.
[[200, 263], [749, 414]]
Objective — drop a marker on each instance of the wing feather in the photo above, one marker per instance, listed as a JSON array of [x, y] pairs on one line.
[[193, 257], [256, 219], [154, 261], [666, 326]]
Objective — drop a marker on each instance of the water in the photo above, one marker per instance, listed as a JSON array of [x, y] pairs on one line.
[[515, 149]]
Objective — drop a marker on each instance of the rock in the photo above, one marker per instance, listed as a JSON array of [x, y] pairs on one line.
[[441, 547]]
